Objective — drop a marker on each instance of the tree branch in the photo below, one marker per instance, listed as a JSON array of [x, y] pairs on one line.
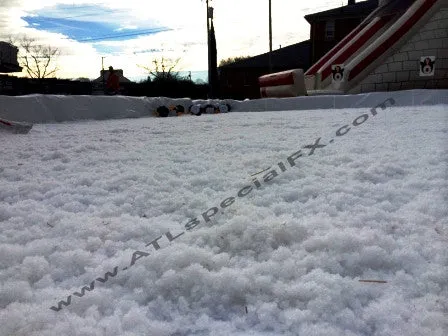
[[37, 59]]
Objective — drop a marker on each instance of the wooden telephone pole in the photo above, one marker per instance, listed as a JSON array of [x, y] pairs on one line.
[[208, 48], [270, 37]]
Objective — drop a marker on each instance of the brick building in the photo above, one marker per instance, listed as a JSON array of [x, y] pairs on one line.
[[331, 26], [239, 80]]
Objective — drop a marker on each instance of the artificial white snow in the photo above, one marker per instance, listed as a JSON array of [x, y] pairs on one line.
[[82, 199]]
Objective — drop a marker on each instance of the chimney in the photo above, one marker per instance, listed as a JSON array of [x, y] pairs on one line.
[[351, 2]]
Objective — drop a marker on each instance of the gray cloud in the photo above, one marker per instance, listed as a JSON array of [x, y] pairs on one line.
[[7, 7]]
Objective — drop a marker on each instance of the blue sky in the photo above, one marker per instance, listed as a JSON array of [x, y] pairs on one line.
[[130, 33]]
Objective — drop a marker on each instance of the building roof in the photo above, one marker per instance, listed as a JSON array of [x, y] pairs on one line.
[[292, 56], [362, 9], [104, 74], [357, 9]]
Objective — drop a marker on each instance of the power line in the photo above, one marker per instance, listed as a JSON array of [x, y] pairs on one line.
[[81, 15], [102, 37], [97, 12], [114, 36]]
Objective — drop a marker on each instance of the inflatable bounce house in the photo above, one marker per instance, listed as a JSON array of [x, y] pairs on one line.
[[402, 44]]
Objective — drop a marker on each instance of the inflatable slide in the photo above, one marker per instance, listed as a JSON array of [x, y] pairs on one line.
[[379, 36], [366, 47]]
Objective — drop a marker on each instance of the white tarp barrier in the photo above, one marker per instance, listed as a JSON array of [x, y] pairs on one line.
[[52, 108]]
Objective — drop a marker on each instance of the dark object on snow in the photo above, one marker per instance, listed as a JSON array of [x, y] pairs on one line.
[[163, 111], [223, 108], [15, 126], [199, 109], [210, 109], [195, 109], [180, 108]]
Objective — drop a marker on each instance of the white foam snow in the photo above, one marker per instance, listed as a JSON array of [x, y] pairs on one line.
[[78, 199]]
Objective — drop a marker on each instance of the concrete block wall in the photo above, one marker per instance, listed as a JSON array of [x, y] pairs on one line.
[[401, 70]]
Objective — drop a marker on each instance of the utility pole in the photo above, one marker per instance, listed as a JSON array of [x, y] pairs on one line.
[[270, 37], [102, 68], [208, 25], [208, 49]]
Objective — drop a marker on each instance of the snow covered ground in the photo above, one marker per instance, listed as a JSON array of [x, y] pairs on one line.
[[289, 213]]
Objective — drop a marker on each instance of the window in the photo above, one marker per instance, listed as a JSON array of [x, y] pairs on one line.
[[329, 30]]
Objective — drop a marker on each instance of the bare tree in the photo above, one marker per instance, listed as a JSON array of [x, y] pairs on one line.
[[38, 60], [163, 69]]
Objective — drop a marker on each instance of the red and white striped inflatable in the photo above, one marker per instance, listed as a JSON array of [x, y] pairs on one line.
[[14, 126], [290, 83]]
